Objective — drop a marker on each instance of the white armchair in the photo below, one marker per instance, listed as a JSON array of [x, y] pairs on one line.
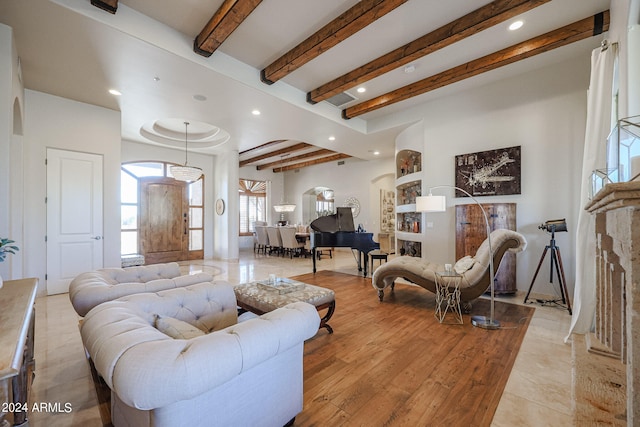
[[244, 374]]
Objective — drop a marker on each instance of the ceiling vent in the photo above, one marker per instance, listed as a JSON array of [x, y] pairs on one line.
[[341, 99]]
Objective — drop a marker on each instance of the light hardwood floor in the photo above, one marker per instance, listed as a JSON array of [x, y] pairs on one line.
[[538, 391]]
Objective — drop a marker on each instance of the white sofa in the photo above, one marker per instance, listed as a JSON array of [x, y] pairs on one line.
[[239, 374], [95, 287]]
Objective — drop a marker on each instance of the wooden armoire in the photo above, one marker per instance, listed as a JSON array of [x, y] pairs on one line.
[[471, 231]]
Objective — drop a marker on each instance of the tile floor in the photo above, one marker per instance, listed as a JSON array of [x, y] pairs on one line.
[[538, 392]]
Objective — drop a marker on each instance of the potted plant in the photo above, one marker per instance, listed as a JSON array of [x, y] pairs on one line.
[[6, 247]]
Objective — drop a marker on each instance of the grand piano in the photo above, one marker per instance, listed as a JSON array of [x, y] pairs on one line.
[[337, 231]]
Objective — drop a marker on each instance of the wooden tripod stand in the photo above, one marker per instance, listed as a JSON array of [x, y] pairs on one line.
[[556, 263]]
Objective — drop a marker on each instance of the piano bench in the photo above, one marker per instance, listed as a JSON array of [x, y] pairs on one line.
[[379, 255]]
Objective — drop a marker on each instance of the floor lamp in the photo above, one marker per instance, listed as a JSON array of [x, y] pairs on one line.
[[433, 203]]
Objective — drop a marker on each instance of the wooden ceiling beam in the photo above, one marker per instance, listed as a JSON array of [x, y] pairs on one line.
[[262, 146], [227, 18], [338, 156], [568, 34], [480, 19], [316, 153], [350, 22], [110, 6], [282, 151]]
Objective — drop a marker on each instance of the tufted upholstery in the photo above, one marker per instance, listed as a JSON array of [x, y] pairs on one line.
[[95, 287], [475, 281], [247, 373]]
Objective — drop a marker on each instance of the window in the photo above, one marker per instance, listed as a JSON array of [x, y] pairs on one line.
[[325, 203], [253, 205], [130, 208]]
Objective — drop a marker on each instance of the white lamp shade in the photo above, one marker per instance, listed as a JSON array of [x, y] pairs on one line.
[[186, 173], [431, 203], [284, 208]]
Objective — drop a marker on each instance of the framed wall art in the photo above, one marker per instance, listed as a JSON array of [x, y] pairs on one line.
[[387, 211], [489, 173]]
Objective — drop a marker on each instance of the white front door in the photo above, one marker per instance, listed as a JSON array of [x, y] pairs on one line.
[[74, 216]]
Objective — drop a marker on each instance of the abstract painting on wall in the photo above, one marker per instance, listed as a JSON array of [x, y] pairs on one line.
[[489, 173]]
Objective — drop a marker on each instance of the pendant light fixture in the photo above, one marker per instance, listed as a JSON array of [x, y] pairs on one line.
[[186, 173], [283, 207]]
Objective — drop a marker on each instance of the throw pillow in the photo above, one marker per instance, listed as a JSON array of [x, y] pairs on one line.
[[176, 328], [464, 264]]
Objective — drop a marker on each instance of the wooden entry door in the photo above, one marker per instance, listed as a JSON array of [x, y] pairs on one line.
[[164, 228]]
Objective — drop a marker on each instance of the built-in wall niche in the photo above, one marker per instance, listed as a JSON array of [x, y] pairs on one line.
[[406, 247], [408, 162], [408, 192], [409, 222]]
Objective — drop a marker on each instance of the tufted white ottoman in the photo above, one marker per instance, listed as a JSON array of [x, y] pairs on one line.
[[259, 299]]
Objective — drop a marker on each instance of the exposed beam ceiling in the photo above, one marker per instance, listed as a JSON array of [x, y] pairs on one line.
[[317, 153], [327, 159], [226, 19], [468, 25], [571, 33], [360, 43], [280, 152], [350, 22]]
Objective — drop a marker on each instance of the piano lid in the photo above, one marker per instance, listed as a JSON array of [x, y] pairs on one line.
[[340, 221]]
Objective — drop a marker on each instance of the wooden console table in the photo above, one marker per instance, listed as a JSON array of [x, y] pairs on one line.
[[17, 317]]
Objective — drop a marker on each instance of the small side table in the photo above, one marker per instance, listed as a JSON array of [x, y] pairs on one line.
[[448, 295]]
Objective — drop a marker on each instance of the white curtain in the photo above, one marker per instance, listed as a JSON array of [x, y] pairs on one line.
[[599, 124]]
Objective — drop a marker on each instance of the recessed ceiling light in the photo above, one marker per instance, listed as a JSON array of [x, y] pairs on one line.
[[255, 112], [515, 25], [332, 138], [376, 153], [114, 92], [199, 97], [361, 89]]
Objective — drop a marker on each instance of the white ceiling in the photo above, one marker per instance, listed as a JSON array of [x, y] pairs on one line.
[[71, 49]]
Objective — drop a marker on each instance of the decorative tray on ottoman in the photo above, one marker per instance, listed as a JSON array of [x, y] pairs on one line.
[[281, 286]]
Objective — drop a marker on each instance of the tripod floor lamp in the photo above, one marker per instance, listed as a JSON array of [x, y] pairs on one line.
[[433, 203]]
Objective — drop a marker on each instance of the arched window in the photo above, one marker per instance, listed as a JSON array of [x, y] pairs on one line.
[[131, 176]]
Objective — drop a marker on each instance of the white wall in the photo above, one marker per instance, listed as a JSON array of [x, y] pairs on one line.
[[55, 122], [11, 152], [355, 178], [226, 239], [542, 111]]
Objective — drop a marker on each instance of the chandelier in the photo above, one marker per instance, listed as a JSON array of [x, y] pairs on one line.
[[186, 173], [283, 207]]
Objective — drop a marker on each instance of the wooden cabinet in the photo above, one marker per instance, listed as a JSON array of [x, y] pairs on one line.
[[17, 300], [471, 231]]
